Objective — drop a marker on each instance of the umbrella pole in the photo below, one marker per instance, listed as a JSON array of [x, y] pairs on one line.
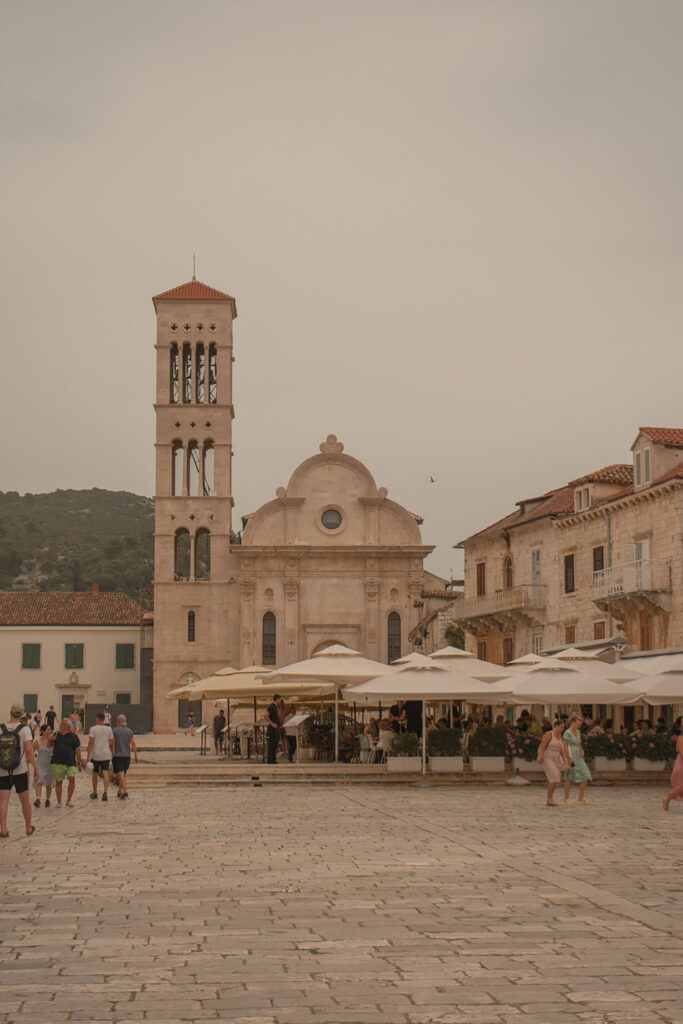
[[226, 734], [424, 741], [336, 724]]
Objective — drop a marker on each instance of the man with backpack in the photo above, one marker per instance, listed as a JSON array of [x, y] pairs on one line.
[[16, 751]]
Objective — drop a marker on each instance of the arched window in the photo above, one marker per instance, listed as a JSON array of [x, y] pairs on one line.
[[181, 561], [393, 636], [213, 375], [202, 555], [208, 469], [269, 638], [177, 468], [175, 374], [190, 627], [193, 469], [507, 574], [187, 373], [201, 371]]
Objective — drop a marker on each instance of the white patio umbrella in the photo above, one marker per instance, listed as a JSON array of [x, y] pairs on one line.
[[585, 661], [428, 682], [664, 687], [338, 665], [525, 661], [462, 661], [568, 684], [414, 659]]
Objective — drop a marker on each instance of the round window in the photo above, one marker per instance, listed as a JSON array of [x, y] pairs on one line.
[[331, 519]]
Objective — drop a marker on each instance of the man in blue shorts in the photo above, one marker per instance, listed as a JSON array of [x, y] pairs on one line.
[[123, 744]]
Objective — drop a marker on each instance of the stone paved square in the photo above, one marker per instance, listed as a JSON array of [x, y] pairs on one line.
[[289, 904]]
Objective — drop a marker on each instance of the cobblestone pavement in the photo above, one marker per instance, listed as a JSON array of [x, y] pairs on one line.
[[341, 905]]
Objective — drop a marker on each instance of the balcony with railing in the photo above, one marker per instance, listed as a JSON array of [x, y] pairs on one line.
[[520, 600], [645, 576]]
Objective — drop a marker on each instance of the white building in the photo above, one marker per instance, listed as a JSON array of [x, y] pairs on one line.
[[70, 649]]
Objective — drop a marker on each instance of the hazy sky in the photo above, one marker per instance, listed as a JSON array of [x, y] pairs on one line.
[[454, 231]]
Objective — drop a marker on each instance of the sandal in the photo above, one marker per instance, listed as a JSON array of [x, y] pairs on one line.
[[4, 835], [33, 828]]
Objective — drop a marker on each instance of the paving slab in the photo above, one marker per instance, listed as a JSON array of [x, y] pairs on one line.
[[343, 905]]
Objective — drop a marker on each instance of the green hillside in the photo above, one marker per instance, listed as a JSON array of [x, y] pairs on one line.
[[68, 540]]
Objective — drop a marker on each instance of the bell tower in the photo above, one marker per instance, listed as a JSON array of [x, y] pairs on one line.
[[193, 573]]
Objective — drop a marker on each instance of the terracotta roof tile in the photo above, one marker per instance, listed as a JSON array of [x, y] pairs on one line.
[[555, 503], [193, 290], [618, 473], [673, 474], [673, 436], [30, 608]]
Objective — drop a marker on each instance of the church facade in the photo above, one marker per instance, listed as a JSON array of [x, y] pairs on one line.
[[331, 559]]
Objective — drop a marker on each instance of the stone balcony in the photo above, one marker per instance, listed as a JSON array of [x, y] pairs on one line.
[[503, 608], [645, 584]]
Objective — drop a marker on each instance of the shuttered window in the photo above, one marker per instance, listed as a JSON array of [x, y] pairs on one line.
[[598, 559], [569, 580], [481, 579]]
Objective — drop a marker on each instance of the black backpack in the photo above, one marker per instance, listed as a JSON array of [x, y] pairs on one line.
[[10, 747]]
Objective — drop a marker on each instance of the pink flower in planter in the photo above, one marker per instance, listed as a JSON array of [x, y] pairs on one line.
[[651, 746], [634, 745], [526, 742]]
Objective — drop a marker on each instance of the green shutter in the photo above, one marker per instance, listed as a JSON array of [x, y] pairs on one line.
[[125, 655], [31, 702], [122, 698], [30, 655], [73, 655]]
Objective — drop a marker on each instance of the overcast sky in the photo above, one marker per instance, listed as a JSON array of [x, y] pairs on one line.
[[454, 231]]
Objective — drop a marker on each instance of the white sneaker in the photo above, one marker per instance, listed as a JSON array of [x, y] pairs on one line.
[[69, 804]]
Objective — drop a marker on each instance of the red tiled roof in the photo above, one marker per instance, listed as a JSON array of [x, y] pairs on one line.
[[673, 474], [673, 436], [618, 473], [29, 608], [555, 503], [193, 290]]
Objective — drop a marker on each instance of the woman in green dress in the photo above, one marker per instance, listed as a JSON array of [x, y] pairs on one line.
[[578, 772]]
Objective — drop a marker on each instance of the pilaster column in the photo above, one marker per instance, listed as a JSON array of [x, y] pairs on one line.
[[371, 583]]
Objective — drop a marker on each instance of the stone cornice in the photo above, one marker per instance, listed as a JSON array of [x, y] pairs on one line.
[[291, 550]]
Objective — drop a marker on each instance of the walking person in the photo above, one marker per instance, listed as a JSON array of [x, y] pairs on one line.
[[16, 753], [124, 742], [553, 754], [190, 728], [51, 717], [107, 715], [75, 721], [42, 748], [578, 770], [676, 791], [219, 724], [272, 717], [66, 752], [100, 752]]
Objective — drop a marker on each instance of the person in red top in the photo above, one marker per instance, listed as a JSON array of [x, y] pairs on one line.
[[18, 777]]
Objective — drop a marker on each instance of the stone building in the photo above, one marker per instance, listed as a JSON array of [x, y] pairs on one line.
[[73, 650], [600, 557], [331, 559]]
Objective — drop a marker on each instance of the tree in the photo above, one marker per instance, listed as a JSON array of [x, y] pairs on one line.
[[455, 635]]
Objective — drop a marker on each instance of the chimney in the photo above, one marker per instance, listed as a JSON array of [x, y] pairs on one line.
[[95, 588]]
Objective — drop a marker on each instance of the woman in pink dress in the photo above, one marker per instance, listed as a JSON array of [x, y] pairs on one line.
[[553, 754], [676, 792]]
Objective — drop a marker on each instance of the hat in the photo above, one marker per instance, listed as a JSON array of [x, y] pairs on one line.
[[17, 709]]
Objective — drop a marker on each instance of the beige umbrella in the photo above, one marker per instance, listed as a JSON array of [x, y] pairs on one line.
[[462, 661], [567, 683], [428, 682], [416, 660], [588, 662], [525, 661], [338, 665]]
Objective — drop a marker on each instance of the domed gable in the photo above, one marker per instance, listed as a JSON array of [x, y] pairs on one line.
[[332, 499]]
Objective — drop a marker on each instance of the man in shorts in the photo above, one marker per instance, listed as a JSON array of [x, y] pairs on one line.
[[51, 717], [100, 752], [66, 750], [18, 777], [123, 744]]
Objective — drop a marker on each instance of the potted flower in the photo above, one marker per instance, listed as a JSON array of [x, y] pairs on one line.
[[404, 755], [486, 749], [609, 753], [444, 747], [649, 751], [524, 748]]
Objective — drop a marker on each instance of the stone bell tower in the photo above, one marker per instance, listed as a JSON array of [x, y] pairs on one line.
[[194, 606]]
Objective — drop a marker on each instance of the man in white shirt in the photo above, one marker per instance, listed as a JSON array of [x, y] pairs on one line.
[[100, 752], [18, 775]]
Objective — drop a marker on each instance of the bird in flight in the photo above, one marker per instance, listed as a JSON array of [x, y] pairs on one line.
[[432, 480]]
